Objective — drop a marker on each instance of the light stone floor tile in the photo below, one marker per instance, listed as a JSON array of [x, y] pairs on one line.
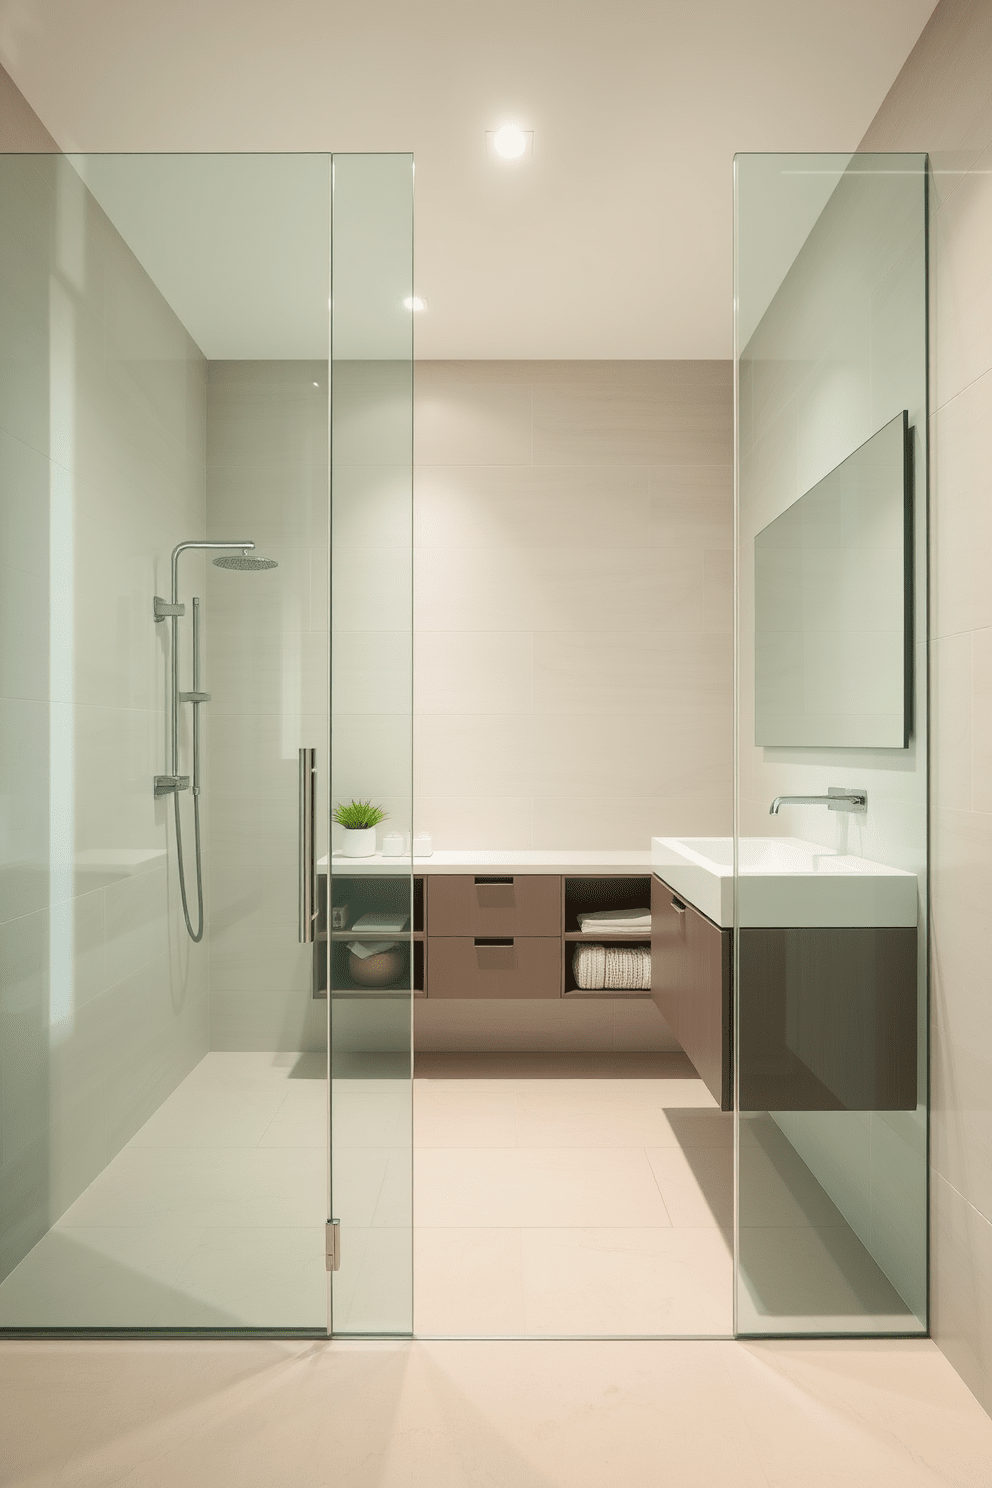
[[250, 1414], [541, 1187], [540, 1210], [603, 1282], [696, 1184], [468, 1282]]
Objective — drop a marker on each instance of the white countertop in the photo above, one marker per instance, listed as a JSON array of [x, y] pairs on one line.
[[785, 882], [484, 860]]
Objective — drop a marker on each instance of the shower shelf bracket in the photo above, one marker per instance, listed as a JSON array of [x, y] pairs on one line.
[[167, 785], [163, 609], [194, 697]]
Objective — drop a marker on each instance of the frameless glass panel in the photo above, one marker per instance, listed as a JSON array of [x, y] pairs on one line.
[[374, 917], [164, 493], [830, 848]]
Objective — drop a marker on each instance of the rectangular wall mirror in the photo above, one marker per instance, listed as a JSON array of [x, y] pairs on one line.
[[832, 638]]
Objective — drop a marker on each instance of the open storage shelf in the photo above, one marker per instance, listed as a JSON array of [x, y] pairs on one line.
[[362, 894], [344, 985], [585, 894]]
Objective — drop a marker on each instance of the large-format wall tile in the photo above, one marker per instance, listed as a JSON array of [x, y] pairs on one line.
[[964, 297], [981, 720], [474, 671], [951, 725], [633, 672], [484, 820], [962, 526], [672, 413], [961, 1295], [466, 417], [572, 604]]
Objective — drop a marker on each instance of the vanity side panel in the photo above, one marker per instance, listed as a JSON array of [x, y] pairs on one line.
[[690, 984]]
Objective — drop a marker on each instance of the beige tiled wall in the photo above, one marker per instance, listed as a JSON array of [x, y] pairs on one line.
[[103, 1005], [265, 640], [573, 602], [942, 102]]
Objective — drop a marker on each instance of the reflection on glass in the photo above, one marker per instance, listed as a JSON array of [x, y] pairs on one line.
[[831, 589], [830, 950], [375, 927], [165, 1102]]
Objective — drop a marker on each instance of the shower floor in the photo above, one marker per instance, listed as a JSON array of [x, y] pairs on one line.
[[542, 1206], [212, 1216]]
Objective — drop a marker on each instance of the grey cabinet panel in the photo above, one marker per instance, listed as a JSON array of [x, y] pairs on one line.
[[828, 1020]]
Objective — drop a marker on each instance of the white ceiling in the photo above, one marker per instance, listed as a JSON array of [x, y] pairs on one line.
[[613, 240]]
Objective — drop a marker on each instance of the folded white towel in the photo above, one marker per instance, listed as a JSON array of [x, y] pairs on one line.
[[381, 920], [616, 919]]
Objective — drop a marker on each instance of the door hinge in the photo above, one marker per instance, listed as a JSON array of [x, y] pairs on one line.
[[332, 1245]]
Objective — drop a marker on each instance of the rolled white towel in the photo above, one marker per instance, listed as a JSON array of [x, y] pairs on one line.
[[589, 967], [612, 968]]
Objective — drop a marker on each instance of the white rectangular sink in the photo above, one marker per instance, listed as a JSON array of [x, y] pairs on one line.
[[785, 882]]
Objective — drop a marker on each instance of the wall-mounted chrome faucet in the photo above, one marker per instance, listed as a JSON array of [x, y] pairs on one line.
[[836, 799]]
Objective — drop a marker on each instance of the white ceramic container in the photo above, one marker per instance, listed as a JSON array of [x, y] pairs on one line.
[[358, 842]]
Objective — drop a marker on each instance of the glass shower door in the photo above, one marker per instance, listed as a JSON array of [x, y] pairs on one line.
[[163, 404], [373, 916], [830, 935]]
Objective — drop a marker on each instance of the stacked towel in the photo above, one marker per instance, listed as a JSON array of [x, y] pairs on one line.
[[612, 968], [387, 920], [612, 921]]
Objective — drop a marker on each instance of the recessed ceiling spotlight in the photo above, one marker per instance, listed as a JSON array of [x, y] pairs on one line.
[[510, 142], [414, 303]]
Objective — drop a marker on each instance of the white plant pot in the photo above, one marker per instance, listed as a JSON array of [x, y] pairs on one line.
[[358, 842]]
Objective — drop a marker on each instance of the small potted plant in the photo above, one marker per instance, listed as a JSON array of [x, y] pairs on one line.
[[359, 819]]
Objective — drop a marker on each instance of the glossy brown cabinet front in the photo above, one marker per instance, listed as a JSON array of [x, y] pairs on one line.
[[691, 985], [495, 904], [521, 967]]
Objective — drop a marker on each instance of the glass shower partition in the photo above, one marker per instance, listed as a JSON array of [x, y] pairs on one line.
[[164, 390], [830, 933], [373, 918]]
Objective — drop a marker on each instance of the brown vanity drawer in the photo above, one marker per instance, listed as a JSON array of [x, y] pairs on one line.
[[494, 904], [521, 967]]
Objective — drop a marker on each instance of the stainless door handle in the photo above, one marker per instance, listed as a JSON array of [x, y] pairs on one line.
[[308, 866], [677, 905]]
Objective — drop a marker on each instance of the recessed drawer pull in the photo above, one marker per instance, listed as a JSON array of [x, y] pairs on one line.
[[489, 879], [494, 940], [677, 905]]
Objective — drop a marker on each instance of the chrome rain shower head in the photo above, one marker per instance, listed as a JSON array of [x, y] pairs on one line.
[[244, 562]]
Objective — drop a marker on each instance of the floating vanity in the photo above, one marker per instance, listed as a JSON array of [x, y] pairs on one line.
[[828, 975], [487, 925]]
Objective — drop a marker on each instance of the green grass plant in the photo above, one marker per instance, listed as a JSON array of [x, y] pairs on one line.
[[359, 815]]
